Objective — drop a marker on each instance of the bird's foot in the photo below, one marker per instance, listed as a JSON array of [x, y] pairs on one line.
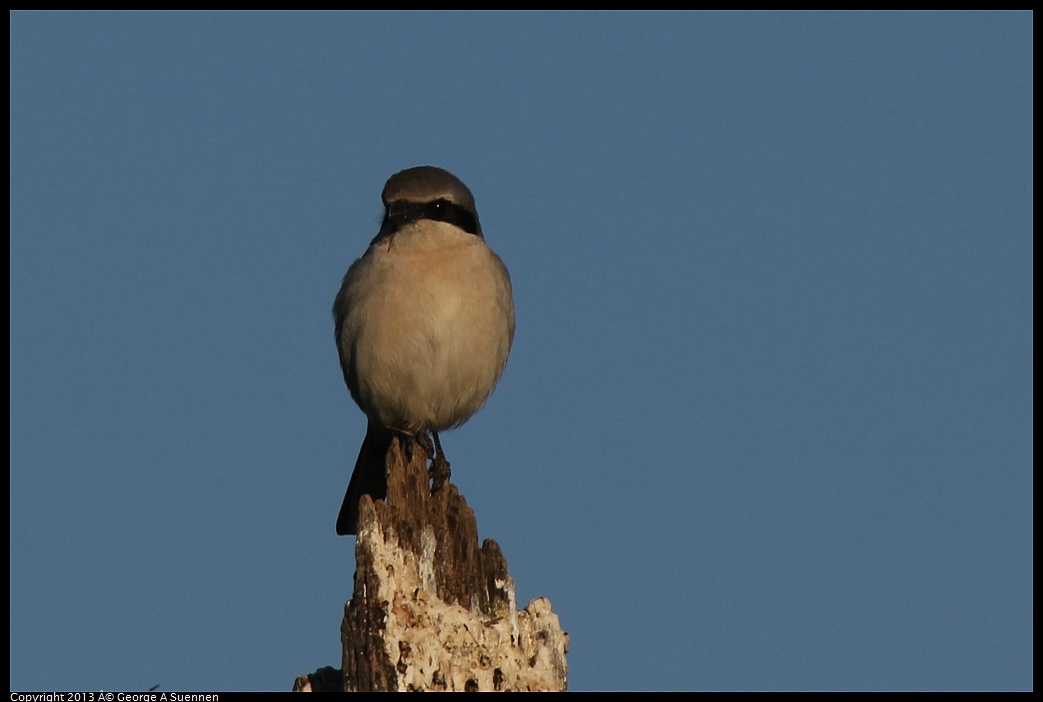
[[439, 470], [424, 441], [411, 439]]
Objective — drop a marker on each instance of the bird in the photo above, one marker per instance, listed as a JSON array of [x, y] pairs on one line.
[[424, 323]]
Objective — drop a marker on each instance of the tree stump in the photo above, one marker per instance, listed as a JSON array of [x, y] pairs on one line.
[[431, 610]]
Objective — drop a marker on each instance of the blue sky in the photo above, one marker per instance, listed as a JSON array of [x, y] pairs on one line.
[[767, 422]]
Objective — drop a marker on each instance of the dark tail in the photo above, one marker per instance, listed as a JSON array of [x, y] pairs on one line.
[[368, 478]]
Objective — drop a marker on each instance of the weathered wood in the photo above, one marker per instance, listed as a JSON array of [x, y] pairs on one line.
[[433, 611]]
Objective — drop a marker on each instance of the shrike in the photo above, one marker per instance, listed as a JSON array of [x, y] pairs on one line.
[[424, 323]]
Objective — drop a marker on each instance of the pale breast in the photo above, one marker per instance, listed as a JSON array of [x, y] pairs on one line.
[[428, 321]]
